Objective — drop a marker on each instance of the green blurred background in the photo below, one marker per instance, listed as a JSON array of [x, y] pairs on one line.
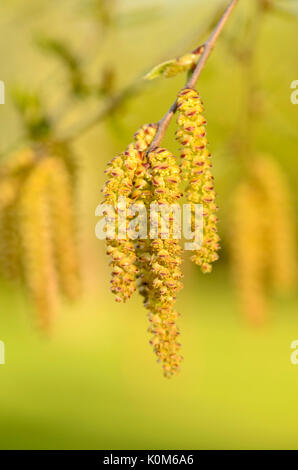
[[95, 384]]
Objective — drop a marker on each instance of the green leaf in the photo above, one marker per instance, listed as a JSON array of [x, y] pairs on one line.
[[173, 67], [159, 69]]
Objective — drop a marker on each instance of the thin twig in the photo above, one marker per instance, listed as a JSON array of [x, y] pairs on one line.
[[207, 49], [112, 105], [131, 90]]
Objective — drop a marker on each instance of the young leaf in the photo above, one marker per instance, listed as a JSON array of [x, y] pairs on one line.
[[173, 67]]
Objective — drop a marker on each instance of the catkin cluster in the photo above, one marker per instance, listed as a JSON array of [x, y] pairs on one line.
[[37, 226], [147, 177], [262, 238]]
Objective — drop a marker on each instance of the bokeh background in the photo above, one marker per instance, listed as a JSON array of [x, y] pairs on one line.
[[94, 382]]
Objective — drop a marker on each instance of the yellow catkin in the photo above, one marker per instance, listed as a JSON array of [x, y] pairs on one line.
[[165, 279], [10, 250], [280, 246], [8, 191], [9, 240], [125, 180], [121, 172], [60, 196], [247, 242], [196, 168], [62, 151], [18, 162], [12, 171], [142, 194], [37, 244]]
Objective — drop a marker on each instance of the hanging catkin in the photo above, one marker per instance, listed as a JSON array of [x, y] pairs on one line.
[[165, 279], [196, 168], [10, 266], [17, 163], [121, 172], [37, 225], [61, 204], [37, 244], [280, 246], [9, 239], [125, 172], [248, 250], [142, 194]]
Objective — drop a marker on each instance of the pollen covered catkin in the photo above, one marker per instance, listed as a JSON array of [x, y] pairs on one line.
[[126, 180], [37, 225], [37, 244], [142, 194], [248, 250], [165, 277], [280, 233], [121, 172], [18, 162], [197, 170], [10, 262], [9, 240], [61, 207]]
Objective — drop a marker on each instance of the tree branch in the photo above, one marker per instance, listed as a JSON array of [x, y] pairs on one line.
[[191, 83]]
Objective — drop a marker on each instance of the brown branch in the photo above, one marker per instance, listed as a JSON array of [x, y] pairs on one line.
[[112, 105], [191, 83], [133, 88]]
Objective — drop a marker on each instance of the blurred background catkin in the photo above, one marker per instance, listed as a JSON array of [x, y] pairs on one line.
[[91, 380]]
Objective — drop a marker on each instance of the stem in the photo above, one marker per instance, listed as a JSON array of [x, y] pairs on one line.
[[111, 106], [249, 116], [131, 90], [191, 83]]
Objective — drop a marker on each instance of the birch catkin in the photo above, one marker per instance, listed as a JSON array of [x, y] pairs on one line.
[[121, 173], [281, 247], [151, 177], [37, 225], [142, 195], [165, 263], [10, 254], [37, 243], [196, 167], [247, 240], [126, 174], [61, 207]]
